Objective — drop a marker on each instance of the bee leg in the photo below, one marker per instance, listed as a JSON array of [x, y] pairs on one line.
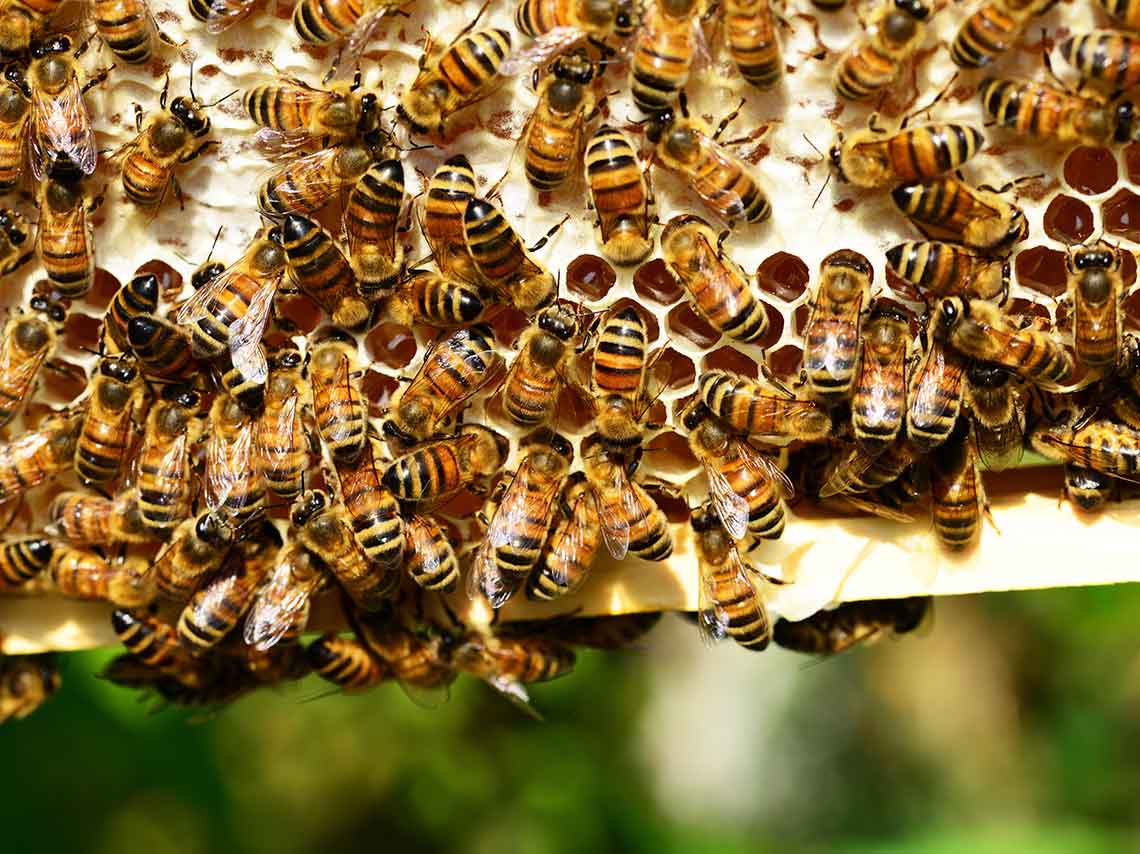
[[198, 151], [165, 92], [138, 117], [100, 77], [177, 188], [549, 234], [727, 120]]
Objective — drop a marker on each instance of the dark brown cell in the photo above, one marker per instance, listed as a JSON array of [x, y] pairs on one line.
[[668, 454], [674, 369], [1068, 220], [463, 505], [786, 361], [783, 275], [1121, 214], [379, 387], [652, 330], [1091, 170], [1043, 270], [673, 506], [775, 327], [657, 414], [1128, 267], [64, 384], [169, 279], [800, 318], [1132, 162], [507, 322], [81, 331], [391, 344], [654, 282], [103, 288], [684, 321], [590, 277], [574, 410], [1132, 310], [300, 311], [728, 359]]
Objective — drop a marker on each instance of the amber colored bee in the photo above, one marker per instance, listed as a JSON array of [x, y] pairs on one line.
[[436, 470], [894, 32], [935, 397], [371, 224], [839, 629], [38, 455], [435, 300], [995, 27], [453, 370], [65, 239], [618, 631], [552, 140], [722, 180], [155, 644], [746, 406], [1100, 445], [95, 520], [26, 683], [957, 496], [752, 41], [523, 515], [164, 466], [308, 183], [729, 602], [128, 29], [1088, 489], [15, 249], [429, 558], [1096, 289], [947, 209], [245, 382], [508, 664], [997, 407], [318, 268], [136, 297], [220, 15], [292, 113], [281, 444], [620, 196], [632, 523], [281, 610], [873, 158], [322, 22], [22, 559], [946, 270], [373, 512], [618, 379], [417, 659], [559, 24], [663, 50], [1037, 110], [28, 340], [162, 348], [831, 337], [347, 663], [82, 574], [573, 544], [1124, 12], [324, 530], [465, 72], [718, 287], [338, 403], [15, 114], [503, 262], [536, 376], [233, 486], [197, 548], [117, 393], [878, 405], [859, 471], [451, 188]]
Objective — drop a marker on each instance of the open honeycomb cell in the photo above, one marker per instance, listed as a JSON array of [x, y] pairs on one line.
[[1068, 220], [1043, 270], [1120, 214], [1092, 171]]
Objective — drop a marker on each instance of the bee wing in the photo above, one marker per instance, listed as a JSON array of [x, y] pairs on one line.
[[712, 619], [358, 41], [225, 460], [847, 469], [541, 51], [756, 461], [284, 425], [930, 396], [19, 373], [197, 306], [174, 460], [419, 543], [311, 183], [279, 606], [224, 14], [515, 693], [62, 127], [485, 579], [876, 509], [727, 163], [615, 516], [574, 541], [279, 145], [245, 335], [730, 507]]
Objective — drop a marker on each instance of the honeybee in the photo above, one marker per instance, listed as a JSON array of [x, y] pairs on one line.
[[371, 221], [82, 574], [536, 376], [998, 411], [338, 403], [65, 239], [752, 41], [128, 29], [509, 664], [947, 209], [155, 644], [503, 262], [347, 663], [946, 270], [280, 612], [839, 629], [746, 406], [573, 544], [1088, 489], [26, 683], [718, 287], [28, 340], [831, 338], [281, 444], [15, 113], [1035, 109], [435, 300], [523, 514], [631, 520], [95, 520], [465, 72], [242, 384], [417, 659], [618, 379], [1105, 56], [220, 15], [935, 397], [322, 22], [979, 329], [610, 632], [430, 560], [1125, 12], [451, 188], [729, 603], [879, 402], [306, 184], [554, 133], [164, 466], [436, 470], [993, 28], [957, 496], [663, 50], [136, 297], [1100, 445], [324, 530], [452, 371], [117, 394], [858, 471], [1096, 289], [873, 158], [162, 348], [196, 549], [318, 268], [373, 511], [39, 455], [746, 489], [557, 25], [894, 32], [15, 250], [620, 196], [291, 113], [233, 486], [22, 559]]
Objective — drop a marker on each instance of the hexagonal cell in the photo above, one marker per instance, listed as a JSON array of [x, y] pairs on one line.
[[1035, 311], [730, 359], [301, 311], [1091, 170], [1068, 220], [800, 318], [684, 321], [674, 369], [65, 383], [1132, 162], [783, 275], [81, 331], [104, 286], [786, 361], [391, 344], [668, 455], [507, 322], [1042, 269], [1120, 214], [655, 283], [674, 506], [590, 277], [1128, 267], [379, 388]]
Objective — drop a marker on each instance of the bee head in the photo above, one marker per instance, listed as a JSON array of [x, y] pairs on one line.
[[915, 8], [951, 311], [309, 505], [1123, 124], [45, 305], [206, 274], [1093, 259], [658, 124], [119, 370], [189, 116], [46, 47]]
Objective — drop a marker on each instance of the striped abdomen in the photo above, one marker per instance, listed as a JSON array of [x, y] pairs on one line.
[[766, 515], [535, 17], [935, 398], [126, 28], [162, 348], [619, 360], [752, 41], [347, 663], [930, 150], [31, 459], [728, 187], [106, 434], [746, 616], [471, 64], [620, 196], [955, 505], [373, 209], [22, 559], [494, 245], [210, 334], [66, 249], [831, 348], [340, 410], [214, 611], [865, 70], [136, 297], [571, 549], [279, 107], [373, 512], [1126, 12], [1034, 109], [151, 641], [456, 370], [662, 58], [939, 269], [727, 301], [320, 270], [145, 178], [1108, 56], [429, 472], [987, 33], [451, 188], [164, 481], [431, 560], [326, 21], [15, 111], [552, 147]]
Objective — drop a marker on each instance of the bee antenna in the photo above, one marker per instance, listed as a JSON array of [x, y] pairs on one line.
[[217, 237], [192, 98], [821, 189], [225, 97], [813, 147]]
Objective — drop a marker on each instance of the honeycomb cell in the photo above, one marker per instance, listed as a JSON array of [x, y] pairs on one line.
[[1128, 267], [81, 331], [684, 321], [1091, 170], [1120, 214], [783, 275], [672, 505], [507, 322], [1042, 269], [729, 359], [668, 455], [1132, 310], [169, 279], [300, 311], [65, 383], [800, 318], [1068, 220], [379, 387], [654, 282], [1132, 162], [786, 361], [675, 369], [103, 289], [590, 277], [1033, 311], [391, 344]]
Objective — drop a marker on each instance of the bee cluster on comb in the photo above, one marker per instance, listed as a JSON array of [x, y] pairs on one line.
[[388, 416]]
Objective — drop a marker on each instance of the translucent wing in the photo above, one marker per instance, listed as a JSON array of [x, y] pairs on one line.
[[280, 145], [19, 372], [515, 692], [939, 375], [224, 14], [485, 579], [846, 471], [416, 530], [753, 460], [281, 604], [245, 335], [226, 463], [361, 35], [712, 619], [729, 506], [542, 50], [197, 306], [876, 509], [62, 128], [175, 459], [285, 425], [727, 164], [882, 404], [311, 183], [838, 327], [1003, 446], [613, 513]]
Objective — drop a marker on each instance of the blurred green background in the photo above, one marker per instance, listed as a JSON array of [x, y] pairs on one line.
[[1011, 725]]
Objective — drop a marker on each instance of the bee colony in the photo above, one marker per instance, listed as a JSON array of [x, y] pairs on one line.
[[468, 335]]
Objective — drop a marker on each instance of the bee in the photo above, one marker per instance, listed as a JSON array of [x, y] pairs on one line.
[[839, 629], [523, 515], [718, 287], [15, 251], [291, 113], [1105, 56], [631, 520], [26, 683], [572, 547], [281, 610], [436, 470], [729, 602], [722, 180], [1125, 12], [879, 402], [560, 24], [993, 28], [872, 158], [1100, 445], [347, 663], [831, 338], [95, 520], [435, 300], [663, 50], [155, 644], [164, 466], [752, 41], [1035, 109], [319, 269], [618, 379], [308, 183], [81, 574], [65, 239], [553, 136], [338, 403], [1088, 489], [417, 659], [117, 393], [196, 549], [430, 560], [137, 297], [894, 32], [233, 485], [371, 221], [619, 631], [162, 348], [451, 188], [28, 340], [508, 664], [128, 29], [946, 270], [956, 493], [174, 136], [39, 455], [947, 209], [979, 329], [465, 72], [620, 196], [220, 15], [324, 530], [373, 512], [536, 376], [858, 471], [1096, 289], [935, 394], [15, 115], [453, 370], [22, 559], [322, 22], [746, 406], [281, 444], [746, 489], [499, 257], [998, 410]]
